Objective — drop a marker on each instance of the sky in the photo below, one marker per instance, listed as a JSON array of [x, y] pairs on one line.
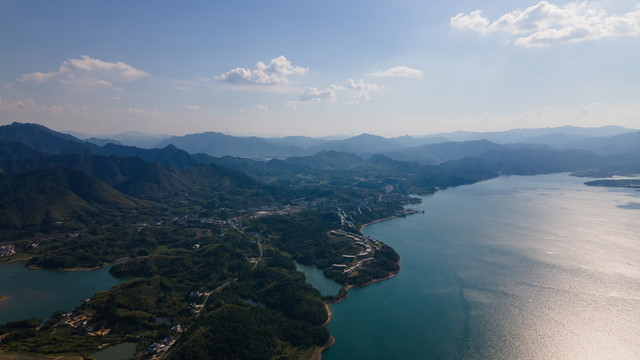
[[319, 68]]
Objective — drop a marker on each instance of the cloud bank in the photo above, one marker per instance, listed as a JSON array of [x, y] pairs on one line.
[[399, 72], [359, 90], [273, 74], [546, 24], [87, 71]]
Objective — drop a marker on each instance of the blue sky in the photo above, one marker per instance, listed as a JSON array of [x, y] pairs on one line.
[[319, 68]]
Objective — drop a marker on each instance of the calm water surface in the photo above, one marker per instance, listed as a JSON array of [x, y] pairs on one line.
[[316, 278], [539, 267], [122, 351], [38, 293]]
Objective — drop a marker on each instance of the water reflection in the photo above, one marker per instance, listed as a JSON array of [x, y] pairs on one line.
[[547, 269], [38, 293]]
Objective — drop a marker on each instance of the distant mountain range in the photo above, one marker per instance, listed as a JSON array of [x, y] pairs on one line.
[[117, 178], [605, 140]]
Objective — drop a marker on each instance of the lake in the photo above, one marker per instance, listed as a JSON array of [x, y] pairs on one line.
[[536, 267], [38, 293]]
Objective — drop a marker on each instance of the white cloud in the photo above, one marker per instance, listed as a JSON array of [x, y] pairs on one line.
[[193, 108], [67, 110], [474, 21], [399, 72], [141, 112], [87, 71], [361, 89], [314, 94], [273, 74], [546, 24], [29, 105], [257, 108], [293, 104]]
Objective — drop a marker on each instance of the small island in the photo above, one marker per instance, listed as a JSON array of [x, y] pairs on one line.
[[619, 183]]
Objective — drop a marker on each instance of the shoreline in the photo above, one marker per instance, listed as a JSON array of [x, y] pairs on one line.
[[32, 267], [317, 355], [363, 226], [347, 287], [326, 306]]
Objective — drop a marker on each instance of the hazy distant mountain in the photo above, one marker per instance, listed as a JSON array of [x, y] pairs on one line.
[[130, 138], [527, 135], [409, 141], [361, 144], [556, 140], [217, 144], [138, 139], [437, 153], [102, 142], [619, 144], [297, 141]]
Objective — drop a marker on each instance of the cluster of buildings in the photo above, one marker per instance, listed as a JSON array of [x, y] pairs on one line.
[[80, 322], [7, 250], [357, 265], [367, 245], [161, 346], [345, 220]]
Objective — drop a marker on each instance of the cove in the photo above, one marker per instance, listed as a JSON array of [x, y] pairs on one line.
[[535, 267], [316, 278], [38, 293]]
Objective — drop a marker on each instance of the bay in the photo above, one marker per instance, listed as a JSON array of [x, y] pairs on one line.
[[538, 267], [316, 278], [38, 293]]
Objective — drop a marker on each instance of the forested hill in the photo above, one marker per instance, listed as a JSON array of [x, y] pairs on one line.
[[39, 198]]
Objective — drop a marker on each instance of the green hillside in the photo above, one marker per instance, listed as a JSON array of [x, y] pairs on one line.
[[40, 197]]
